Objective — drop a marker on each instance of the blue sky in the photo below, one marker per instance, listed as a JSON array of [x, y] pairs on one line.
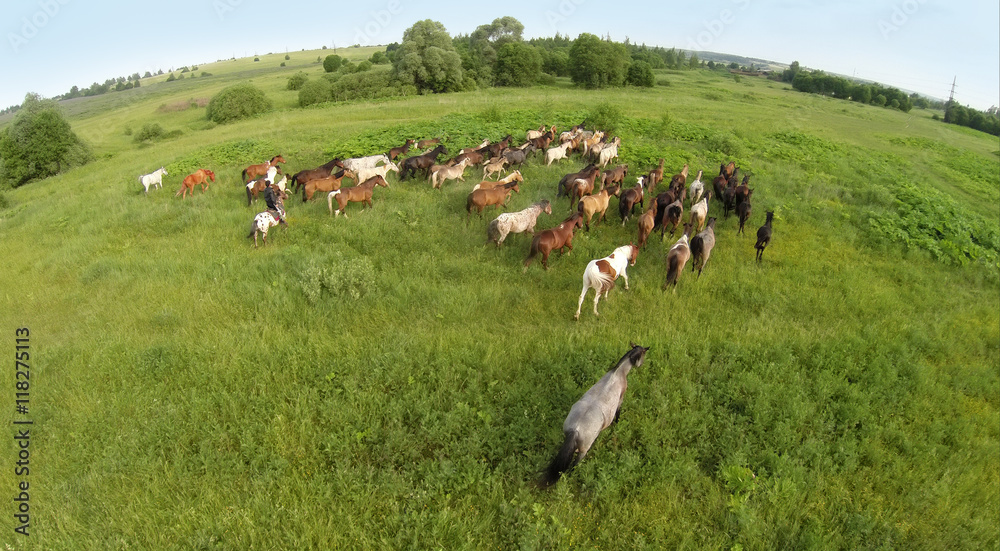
[[920, 45]]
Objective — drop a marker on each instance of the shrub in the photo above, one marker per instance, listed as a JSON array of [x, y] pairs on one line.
[[314, 91], [282, 64], [39, 143], [379, 58], [367, 85], [296, 81], [640, 73], [149, 131], [206, 74], [171, 78], [363, 66], [332, 62], [286, 58], [237, 102], [604, 116], [256, 59]]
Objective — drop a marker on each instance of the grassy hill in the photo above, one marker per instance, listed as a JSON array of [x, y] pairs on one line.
[[389, 380]]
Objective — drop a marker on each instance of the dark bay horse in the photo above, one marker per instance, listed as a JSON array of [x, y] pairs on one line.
[[397, 151], [303, 176], [595, 411], [556, 238], [410, 166], [764, 236]]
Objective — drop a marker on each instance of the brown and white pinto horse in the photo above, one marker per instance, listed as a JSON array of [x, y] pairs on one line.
[[600, 274], [254, 171], [200, 176]]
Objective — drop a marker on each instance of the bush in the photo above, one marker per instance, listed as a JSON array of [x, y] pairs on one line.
[[332, 62], [171, 78], [367, 85], [605, 117], [237, 102], [149, 131], [640, 73], [363, 66], [314, 91], [39, 143], [282, 64], [286, 57], [379, 58], [296, 81]]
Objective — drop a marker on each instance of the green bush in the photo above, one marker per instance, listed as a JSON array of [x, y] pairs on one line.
[[640, 73], [39, 143], [332, 62], [367, 85], [171, 78], [296, 81], [363, 66], [148, 132], [604, 116], [314, 91], [237, 102]]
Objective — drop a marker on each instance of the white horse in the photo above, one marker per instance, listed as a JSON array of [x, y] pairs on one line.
[[609, 152], [594, 412], [358, 163], [600, 274], [154, 178], [556, 153], [366, 173], [446, 173], [517, 222]]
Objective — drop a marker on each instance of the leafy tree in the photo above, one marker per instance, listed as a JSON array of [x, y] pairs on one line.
[[427, 59], [479, 50], [518, 64], [332, 62], [315, 91], [879, 100], [555, 62], [39, 143], [641, 74], [595, 63], [237, 102], [788, 75], [693, 63], [296, 81], [379, 58]]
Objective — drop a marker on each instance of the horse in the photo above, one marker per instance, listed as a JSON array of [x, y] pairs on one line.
[[578, 189], [729, 197], [720, 181], [303, 176], [595, 411], [366, 173], [200, 176], [330, 183], [597, 203], [764, 236], [494, 166], [628, 200], [254, 171], [701, 246], [154, 178], [257, 186], [677, 257], [496, 149], [743, 211], [742, 191], [516, 222], [480, 198], [518, 156], [428, 142], [600, 274], [555, 238], [679, 179], [615, 175], [397, 151], [532, 134], [361, 193], [449, 173], [589, 172], [699, 211], [357, 163], [266, 220], [488, 184], [656, 176], [672, 215], [422, 162], [697, 189], [556, 153], [646, 223], [609, 152]]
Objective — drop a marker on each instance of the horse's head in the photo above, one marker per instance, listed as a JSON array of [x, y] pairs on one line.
[[546, 206], [516, 176], [633, 254], [380, 181], [394, 166], [277, 159], [210, 174], [636, 355]]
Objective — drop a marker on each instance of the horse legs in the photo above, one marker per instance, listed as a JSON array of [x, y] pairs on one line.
[[583, 294]]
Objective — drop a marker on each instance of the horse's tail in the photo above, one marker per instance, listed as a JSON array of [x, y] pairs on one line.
[[329, 200], [673, 270], [532, 250], [243, 175], [493, 231], [594, 274], [248, 194], [563, 460]]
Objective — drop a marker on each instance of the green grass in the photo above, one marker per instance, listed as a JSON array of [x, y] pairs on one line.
[[390, 381]]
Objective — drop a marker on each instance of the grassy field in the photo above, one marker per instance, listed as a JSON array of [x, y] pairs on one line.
[[391, 381]]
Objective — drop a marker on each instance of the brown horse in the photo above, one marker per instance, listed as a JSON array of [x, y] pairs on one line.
[[254, 171], [556, 238], [480, 198], [646, 222], [677, 257], [361, 193], [743, 210], [411, 165], [303, 176], [589, 172], [489, 184], [428, 142], [397, 151], [200, 176], [656, 176], [597, 203], [629, 199], [578, 189], [679, 180], [330, 183], [672, 215]]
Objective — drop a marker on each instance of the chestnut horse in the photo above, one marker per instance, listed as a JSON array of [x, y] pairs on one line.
[[255, 171], [489, 184], [200, 176], [361, 193], [303, 176], [629, 198], [397, 151], [480, 198], [556, 238], [330, 183]]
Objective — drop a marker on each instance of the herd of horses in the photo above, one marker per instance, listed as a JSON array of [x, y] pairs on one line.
[[588, 192]]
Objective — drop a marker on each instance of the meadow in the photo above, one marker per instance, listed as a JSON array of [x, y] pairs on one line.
[[392, 381]]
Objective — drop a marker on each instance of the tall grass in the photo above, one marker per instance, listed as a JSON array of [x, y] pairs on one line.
[[390, 380]]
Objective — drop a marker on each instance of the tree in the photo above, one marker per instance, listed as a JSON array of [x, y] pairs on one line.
[[595, 63], [693, 63], [237, 102], [332, 62], [39, 143], [518, 64], [640, 73], [479, 50], [788, 75], [427, 59]]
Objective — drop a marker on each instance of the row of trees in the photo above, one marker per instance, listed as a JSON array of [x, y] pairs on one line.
[[818, 82], [987, 121]]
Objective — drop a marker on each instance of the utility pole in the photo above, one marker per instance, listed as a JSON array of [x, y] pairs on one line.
[[951, 97]]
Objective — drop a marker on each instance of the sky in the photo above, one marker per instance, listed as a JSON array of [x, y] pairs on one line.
[[916, 45]]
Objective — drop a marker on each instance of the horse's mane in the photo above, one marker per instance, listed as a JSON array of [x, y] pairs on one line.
[[632, 356]]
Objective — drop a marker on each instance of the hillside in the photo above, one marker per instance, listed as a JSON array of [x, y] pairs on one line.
[[390, 380]]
